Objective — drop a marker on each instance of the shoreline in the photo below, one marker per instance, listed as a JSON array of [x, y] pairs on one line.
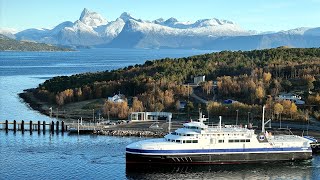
[[132, 129]]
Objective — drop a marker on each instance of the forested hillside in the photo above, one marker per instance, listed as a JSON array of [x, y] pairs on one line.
[[250, 77], [8, 44]]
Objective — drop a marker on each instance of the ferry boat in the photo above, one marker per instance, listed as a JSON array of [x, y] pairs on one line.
[[197, 143]]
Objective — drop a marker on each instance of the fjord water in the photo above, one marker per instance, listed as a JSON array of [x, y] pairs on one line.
[[63, 156]]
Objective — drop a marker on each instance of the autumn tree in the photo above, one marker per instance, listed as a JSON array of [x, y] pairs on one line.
[[278, 109], [260, 93], [266, 77], [207, 87], [286, 104], [137, 105], [168, 98], [116, 109], [293, 109]]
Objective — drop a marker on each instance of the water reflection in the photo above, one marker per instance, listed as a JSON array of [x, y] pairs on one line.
[[292, 170]]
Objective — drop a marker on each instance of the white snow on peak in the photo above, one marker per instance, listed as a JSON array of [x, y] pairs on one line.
[[296, 31], [93, 29], [158, 21], [226, 29], [9, 32], [127, 16], [114, 28], [79, 26], [92, 19]]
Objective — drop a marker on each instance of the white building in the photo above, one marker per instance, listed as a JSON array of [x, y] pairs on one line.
[[291, 97], [116, 98], [198, 79], [150, 116]]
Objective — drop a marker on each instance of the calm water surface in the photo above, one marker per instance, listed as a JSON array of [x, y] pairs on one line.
[[57, 156]]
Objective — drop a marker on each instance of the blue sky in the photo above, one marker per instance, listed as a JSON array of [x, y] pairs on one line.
[[260, 15]]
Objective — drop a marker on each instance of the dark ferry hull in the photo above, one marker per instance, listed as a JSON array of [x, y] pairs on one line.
[[238, 158]]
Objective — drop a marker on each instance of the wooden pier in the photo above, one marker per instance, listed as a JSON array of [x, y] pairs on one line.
[[34, 126]]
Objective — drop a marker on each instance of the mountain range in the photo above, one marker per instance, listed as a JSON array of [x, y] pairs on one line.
[[92, 29]]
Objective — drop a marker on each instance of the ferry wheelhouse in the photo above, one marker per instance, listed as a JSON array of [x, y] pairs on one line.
[[197, 143]]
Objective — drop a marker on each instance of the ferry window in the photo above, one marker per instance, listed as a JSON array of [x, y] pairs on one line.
[[242, 140], [184, 141], [231, 140], [194, 141], [218, 134], [172, 140], [221, 141], [178, 141], [202, 128], [188, 141], [174, 133], [237, 140], [247, 140]]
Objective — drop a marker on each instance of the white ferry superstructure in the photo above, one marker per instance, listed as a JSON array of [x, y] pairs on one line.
[[197, 143]]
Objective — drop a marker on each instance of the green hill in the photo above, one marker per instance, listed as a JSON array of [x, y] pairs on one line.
[[249, 77], [8, 44]]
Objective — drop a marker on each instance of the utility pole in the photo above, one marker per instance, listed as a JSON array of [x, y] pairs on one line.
[[50, 112], [237, 116], [93, 116], [57, 113]]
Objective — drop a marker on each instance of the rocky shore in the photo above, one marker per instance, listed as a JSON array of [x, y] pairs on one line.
[[138, 133]]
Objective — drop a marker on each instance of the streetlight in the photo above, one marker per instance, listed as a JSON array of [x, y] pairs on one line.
[[93, 115], [237, 116], [50, 112]]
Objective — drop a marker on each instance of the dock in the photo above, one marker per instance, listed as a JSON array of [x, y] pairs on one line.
[[34, 126]]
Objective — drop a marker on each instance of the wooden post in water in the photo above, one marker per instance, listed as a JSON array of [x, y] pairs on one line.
[[14, 126], [22, 126], [44, 127], [62, 126], [7, 126], [57, 127], [52, 127], [38, 127], [30, 127]]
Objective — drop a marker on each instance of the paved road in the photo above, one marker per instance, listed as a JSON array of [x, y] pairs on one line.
[[199, 98]]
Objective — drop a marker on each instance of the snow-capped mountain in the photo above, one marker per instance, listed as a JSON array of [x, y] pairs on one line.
[[92, 29], [9, 32], [92, 19]]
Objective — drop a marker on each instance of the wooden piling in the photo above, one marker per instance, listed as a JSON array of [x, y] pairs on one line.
[[52, 127], [57, 127], [7, 126], [39, 127], [14, 126], [22, 126], [44, 127], [62, 126], [30, 127]]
